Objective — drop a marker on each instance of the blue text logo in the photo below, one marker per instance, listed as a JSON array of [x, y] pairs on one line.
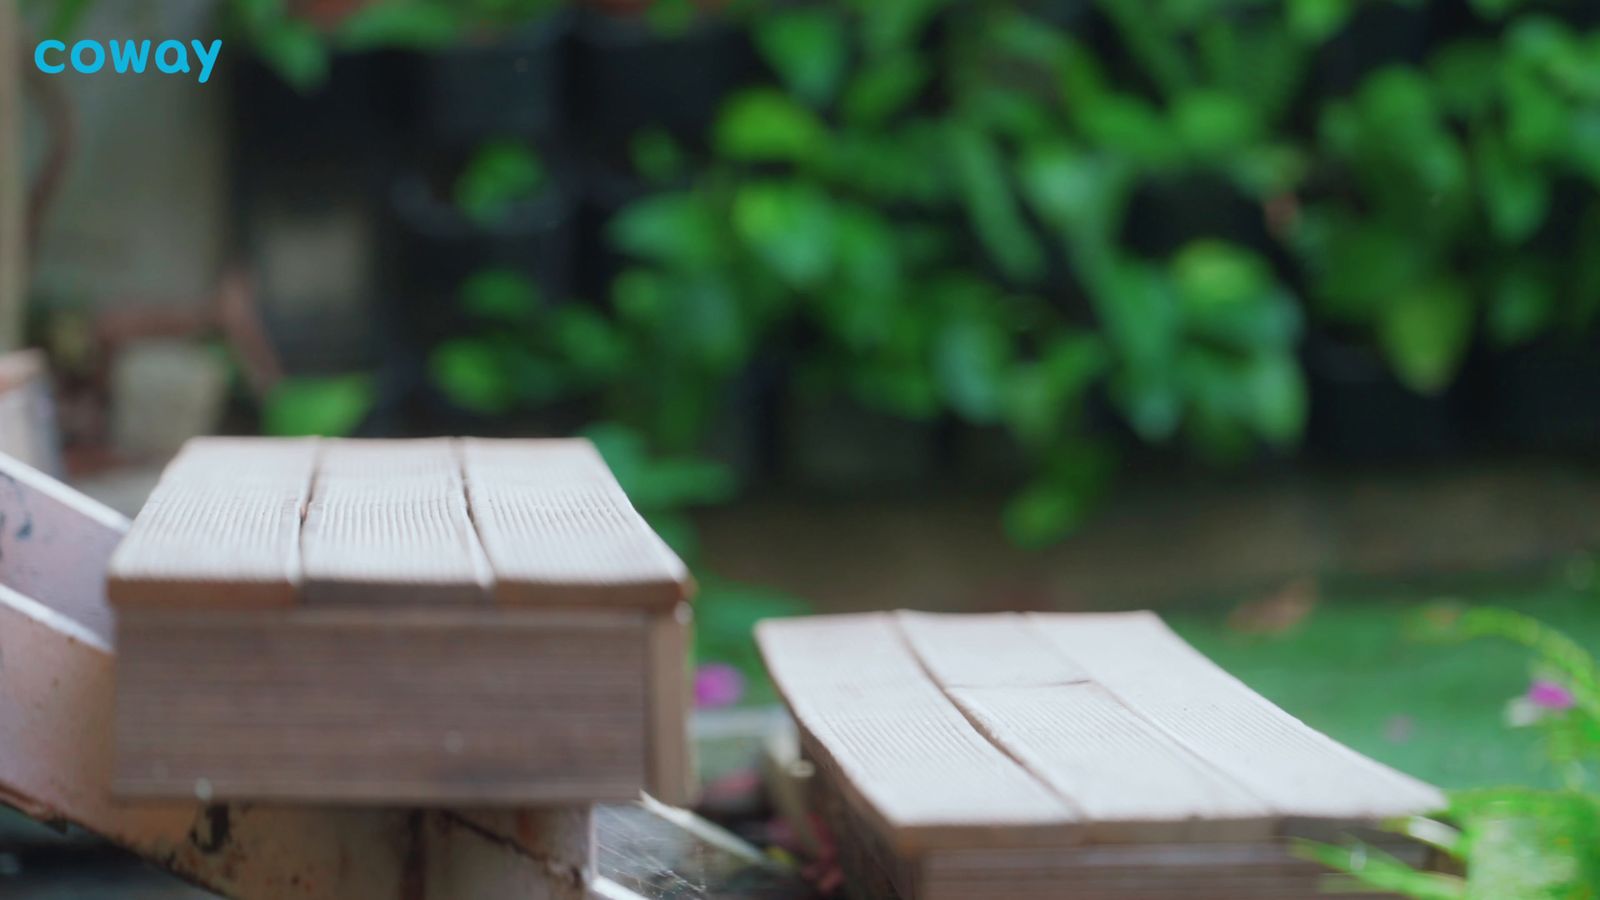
[[169, 57]]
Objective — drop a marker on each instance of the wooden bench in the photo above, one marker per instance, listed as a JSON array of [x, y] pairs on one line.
[[1058, 755]]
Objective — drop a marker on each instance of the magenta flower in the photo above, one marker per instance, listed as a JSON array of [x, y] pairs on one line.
[[1547, 694], [717, 685]]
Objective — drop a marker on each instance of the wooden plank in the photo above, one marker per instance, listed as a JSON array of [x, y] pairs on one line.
[[13, 204], [56, 746], [1211, 870], [56, 753], [987, 651], [387, 523], [1295, 770], [559, 531], [405, 705], [672, 775], [901, 752], [1128, 779], [54, 544], [221, 528]]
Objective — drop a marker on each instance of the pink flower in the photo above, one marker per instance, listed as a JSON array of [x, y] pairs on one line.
[[717, 685], [1547, 694]]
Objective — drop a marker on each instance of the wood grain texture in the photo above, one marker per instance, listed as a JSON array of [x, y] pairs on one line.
[[559, 531], [1214, 870], [387, 523], [411, 705], [221, 528], [671, 749], [1127, 779], [901, 751], [1296, 771]]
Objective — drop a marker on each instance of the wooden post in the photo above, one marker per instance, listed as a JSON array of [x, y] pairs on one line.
[[13, 244]]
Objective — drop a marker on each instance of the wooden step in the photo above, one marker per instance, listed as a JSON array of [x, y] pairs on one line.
[[432, 622], [1064, 755]]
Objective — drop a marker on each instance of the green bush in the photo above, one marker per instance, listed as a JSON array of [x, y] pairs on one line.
[[938, 192]]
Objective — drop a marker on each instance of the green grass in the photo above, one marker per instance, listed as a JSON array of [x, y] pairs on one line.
[[1435, 711]]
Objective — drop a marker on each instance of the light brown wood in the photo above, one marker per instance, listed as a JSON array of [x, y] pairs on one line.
[[54, 544], [388, 523], [1145, 754], [56, 749], [559, 531], [1125, 777], [221, 528], [672, 775], [402, 705], [13, 220], [1296, 771], [900, 750]]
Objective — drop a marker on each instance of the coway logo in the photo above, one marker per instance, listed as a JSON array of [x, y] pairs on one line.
[[128, 57]]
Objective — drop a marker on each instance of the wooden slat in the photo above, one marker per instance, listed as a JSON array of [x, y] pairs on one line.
[[900, 750], [987, 651], [559, 531], [388, 523], [1127, 778], [427, 706], [672, 774], [1295, 770], [222, 528], [54, 544]]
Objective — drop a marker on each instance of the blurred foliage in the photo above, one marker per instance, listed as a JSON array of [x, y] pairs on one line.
[[1511, 842], [499, 176], [1062, 219], [937, 194], [302, 406]]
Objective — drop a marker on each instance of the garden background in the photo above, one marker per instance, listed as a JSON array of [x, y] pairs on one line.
[[1276, 315]]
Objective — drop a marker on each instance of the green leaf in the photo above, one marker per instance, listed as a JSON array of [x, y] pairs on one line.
[[499, 176], [807, 47], [678, 229], [1424, 332], [992, 206], [333, 407], [883, 87], [295, 51], [1277, 398], [1213, 124], [1043, 396], [1075, 191], [473, 375], [766, 125], [502, 295], [1515, 193], [412, 24], [1132, 128], [972, 359], [790, 226], [1314, 21], [1057, 502], [1522, 306]]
